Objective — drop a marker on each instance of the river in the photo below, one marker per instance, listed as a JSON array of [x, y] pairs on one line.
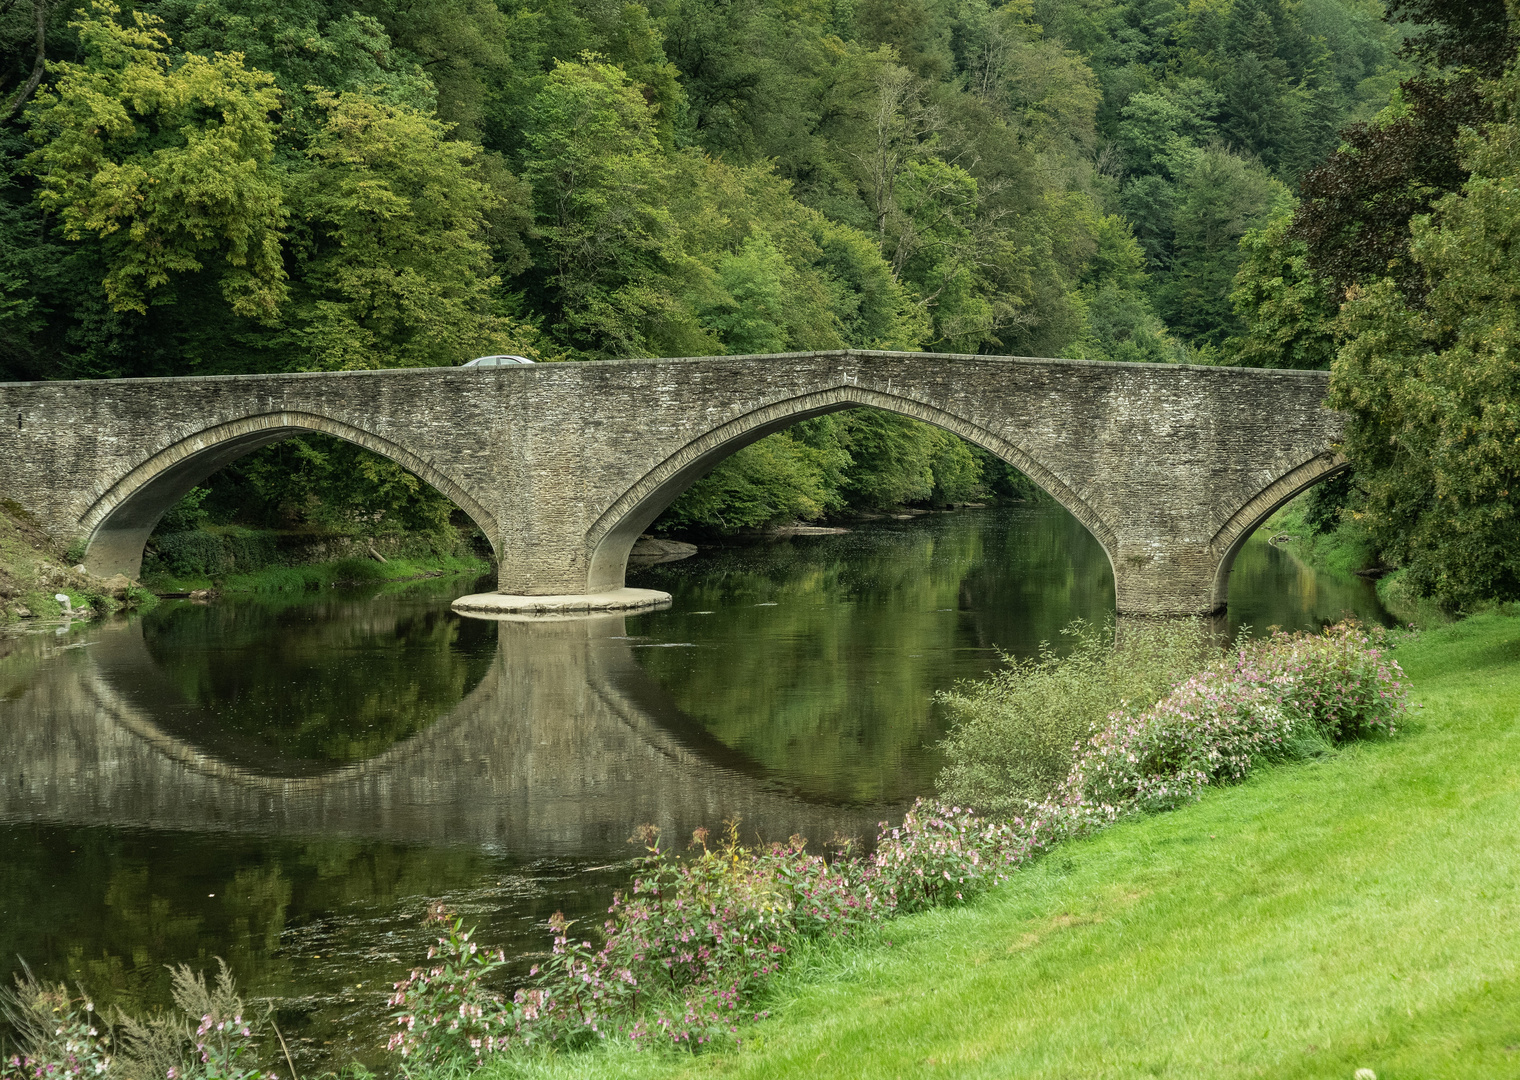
[[285, 781]]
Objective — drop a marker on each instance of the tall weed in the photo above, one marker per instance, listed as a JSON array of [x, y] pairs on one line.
[[212, 1034], [1013, 734]]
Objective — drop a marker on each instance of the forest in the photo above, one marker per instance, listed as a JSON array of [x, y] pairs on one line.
[[228, 186]]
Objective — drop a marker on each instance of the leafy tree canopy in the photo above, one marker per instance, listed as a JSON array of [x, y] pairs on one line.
[[1430, 386], [167, 161]]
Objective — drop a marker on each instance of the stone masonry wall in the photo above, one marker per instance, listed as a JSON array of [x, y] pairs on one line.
[[563, 465]]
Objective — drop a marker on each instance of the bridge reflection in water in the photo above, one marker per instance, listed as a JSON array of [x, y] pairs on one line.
[[146, 818], [562, 748]]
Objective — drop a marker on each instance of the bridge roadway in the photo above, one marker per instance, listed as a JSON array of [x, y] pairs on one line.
[[563, 465]]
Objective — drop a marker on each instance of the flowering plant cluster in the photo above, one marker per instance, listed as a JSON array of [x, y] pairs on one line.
[[445, 1010], [211, 1036], [685, 951], [62, 1033], [943, 854], [1286, 697], [226, 1047], [693, 940]]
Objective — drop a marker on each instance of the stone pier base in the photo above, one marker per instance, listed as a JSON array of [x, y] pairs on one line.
[[489, 605]]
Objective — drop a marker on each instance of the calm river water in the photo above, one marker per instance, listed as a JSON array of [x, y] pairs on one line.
[[285, 782]]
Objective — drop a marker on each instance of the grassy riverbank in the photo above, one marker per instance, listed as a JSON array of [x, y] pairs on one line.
[[322, 575], [1343, 551], [1360, 910], [243, 560]]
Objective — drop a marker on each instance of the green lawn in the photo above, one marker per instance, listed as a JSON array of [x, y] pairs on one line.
[[1360, 911]]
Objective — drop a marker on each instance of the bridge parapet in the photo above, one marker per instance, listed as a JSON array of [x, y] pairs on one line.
[[564, 465]]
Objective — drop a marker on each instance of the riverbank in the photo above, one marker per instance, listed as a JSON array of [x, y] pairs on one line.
[[1356, 911], [232, 559], [324, 575], [34, 571]]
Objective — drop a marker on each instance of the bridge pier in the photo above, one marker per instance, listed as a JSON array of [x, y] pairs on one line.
[[1163, 583]]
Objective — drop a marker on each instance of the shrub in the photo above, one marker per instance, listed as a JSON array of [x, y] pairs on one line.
[[61, 1035], [212, 1036], [446, 1011], [693, 941], [942, 853], [1290, 696], [1013, 733], [140, 598]]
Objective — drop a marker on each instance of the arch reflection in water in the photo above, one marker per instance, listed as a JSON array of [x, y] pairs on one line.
[[552, 752], [163, 835], [819, 657]]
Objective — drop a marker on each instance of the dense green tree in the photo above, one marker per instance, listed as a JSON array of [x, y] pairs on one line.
[[1221, 196], [1119, 321], [784, 477], [1122, 326], [1430, 386], [757, 286], [317, 480], [308, 46], [167, 161], [1358, 206], [1477, 35], [1272, 82], [1285, 306], [611, 249], [395, 264]]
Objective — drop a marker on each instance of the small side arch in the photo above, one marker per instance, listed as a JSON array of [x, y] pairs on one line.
[[612, 535], [117, 525], [1232, 536]]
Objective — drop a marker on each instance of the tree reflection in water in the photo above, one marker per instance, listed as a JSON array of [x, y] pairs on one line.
[[819, 657], [339, 680]]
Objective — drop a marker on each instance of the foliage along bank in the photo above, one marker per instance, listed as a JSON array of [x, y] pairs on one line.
[[690, 948], [1394, 271]]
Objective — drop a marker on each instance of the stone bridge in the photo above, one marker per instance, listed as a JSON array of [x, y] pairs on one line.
[[562, 466]]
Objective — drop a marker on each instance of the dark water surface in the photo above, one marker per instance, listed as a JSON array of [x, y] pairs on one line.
[[285, 782]]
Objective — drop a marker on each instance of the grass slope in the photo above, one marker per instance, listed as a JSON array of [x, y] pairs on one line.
[[1358, 911]]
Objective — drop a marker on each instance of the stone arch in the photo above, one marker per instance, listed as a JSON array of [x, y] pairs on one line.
[[612, 535], [1233, 534], [118, 523]]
